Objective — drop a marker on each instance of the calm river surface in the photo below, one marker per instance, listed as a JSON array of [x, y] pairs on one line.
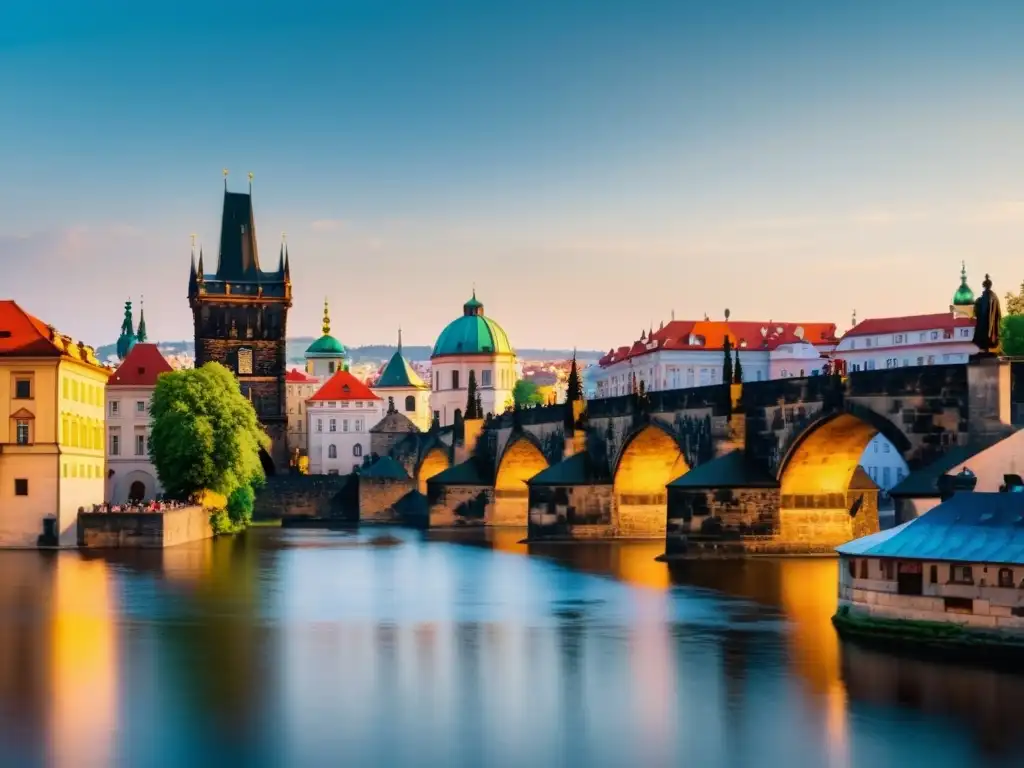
[[307, 648]]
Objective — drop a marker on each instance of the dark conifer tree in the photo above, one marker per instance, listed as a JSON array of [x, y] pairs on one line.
[[479, 406], [471, 396], [727, 365], [737, 371], [574, 387]]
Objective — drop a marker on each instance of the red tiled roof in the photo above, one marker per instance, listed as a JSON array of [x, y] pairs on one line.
[[909, 324], [23, 335], [344, 386], [140, 368], [712, 333], [295, 376]]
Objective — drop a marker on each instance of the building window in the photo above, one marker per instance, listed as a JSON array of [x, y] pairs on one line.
[[851, 565], [455, 379], [330, 367], [22, 432], [319, 425], [359, 425], [333, 425], [898, 338], [115, 445], [935, 335], [1006, 578], [332, 451], [140, 445], [485, 378], [23, 389], [21, 486], [933, 574], [965, 333], [357, 450], [410, 403], [115, 407], [863, 569], [961, 574], [245, 362], [344, 425], [920, 361], [140, 406], [887, 570]]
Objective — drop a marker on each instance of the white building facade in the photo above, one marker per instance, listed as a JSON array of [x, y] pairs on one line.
[[688, 353], [298, 388], [131, 475], [339, 417], [902, 342]]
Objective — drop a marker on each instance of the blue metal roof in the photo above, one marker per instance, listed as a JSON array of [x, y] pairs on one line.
[[967, 528]]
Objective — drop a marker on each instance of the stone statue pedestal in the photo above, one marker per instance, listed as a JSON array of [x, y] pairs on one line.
[[988, 395]]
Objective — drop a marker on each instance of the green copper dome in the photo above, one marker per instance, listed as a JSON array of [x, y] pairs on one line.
[[326, 345], [964, 296], [472, 334]]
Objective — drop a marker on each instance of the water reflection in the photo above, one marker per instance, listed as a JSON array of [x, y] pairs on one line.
[[298, 648]]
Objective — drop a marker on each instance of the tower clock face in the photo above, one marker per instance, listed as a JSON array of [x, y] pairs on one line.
[[245, 361]]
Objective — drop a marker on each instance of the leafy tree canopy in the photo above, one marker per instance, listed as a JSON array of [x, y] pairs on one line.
[[1011, 335], [1015, 303], [526, 393], [204, 433]]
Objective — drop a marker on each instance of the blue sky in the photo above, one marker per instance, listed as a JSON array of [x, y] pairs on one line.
[[590, 166]]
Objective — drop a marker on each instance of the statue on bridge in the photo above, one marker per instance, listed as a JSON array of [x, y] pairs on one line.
[[987, 316]]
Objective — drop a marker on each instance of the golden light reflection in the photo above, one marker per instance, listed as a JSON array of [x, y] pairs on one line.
[[83, 664], [808, 589], [649, 463], [435, 462], [508, 540], [636, 564], [187, 563], [827, 458]]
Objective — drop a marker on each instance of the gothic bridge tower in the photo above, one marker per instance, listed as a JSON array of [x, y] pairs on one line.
[[240, 314]]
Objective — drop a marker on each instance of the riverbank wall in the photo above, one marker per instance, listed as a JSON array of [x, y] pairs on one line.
[[143, 530]]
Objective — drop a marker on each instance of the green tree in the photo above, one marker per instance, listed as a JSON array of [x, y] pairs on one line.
[[471, 397], [737, 371], [525, 393], [573, 387], [1011, 335], [479, 406], [727, 364], [1015, 304], [204, 435]]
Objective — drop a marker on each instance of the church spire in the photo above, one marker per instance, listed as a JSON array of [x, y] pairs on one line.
[[399, 339], [140, 335], [327, 319]]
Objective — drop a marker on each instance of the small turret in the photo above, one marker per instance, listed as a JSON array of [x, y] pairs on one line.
[[127, 338], [963, 298]]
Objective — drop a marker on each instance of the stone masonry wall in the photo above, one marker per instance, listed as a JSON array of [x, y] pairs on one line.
[[377, 497], [295, 494], [458, 505], [576, 512], [144, 530], [724, 514]]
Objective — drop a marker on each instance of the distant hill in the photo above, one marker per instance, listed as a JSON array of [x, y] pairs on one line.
[[373, 352]]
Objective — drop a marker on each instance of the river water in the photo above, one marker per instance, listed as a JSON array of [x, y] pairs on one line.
[[308, 648]]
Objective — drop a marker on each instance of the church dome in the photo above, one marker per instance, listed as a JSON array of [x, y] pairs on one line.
[[472, 334], [326, 345], [964, 296]]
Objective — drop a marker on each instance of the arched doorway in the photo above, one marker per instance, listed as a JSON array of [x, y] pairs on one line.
[[521, 460], [821, 504], [137, 492], [267, 463], [435, 462], [649, 461]]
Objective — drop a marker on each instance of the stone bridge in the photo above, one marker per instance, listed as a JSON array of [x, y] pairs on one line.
[[765, 465]]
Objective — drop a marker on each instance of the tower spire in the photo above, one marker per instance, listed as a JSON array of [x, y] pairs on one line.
[[225, 179], [250, 183], [399, 339], [141, 335], [127, 339], [327, 319]]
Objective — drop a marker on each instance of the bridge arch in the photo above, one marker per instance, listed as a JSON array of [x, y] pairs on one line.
[[649, 460], [522, 458], [434, 461], [821, 504]]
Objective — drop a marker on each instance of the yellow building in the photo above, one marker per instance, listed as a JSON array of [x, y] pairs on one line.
[[52, 400]]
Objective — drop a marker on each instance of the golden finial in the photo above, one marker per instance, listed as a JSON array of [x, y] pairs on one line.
[[193, 239], [284, 237], [327, 319]]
